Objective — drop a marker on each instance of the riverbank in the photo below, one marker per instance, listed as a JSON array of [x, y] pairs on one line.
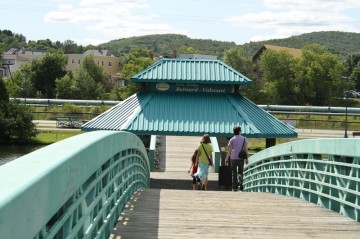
[[49, 133]]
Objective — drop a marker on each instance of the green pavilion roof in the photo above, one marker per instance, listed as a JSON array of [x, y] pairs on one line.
[[191, 71], [168, 113]]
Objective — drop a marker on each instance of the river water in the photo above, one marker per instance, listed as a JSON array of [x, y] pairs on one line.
[[11, 152]]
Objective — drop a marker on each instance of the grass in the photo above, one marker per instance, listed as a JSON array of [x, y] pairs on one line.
[[52, 136]]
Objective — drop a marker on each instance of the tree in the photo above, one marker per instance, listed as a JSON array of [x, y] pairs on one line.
[[4, 96], [319, 76], [188, 50], [70, 47], [85, 86], [279, 77], [88, 82], [353, 69], [15, 120], [355, 75], [65, 87], [94, 70], [240, 60], [19, 85], [45, 71], [136, 61]]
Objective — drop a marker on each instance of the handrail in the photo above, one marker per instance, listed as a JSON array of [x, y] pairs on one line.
[[309, 109], [75, 188], [36, 101], [322, 171]]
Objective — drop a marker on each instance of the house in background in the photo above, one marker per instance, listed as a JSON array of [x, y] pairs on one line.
[[14, 58], [109, 63], [296, 53]]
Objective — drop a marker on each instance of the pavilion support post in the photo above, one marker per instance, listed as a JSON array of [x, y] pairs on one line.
[[270, 142]]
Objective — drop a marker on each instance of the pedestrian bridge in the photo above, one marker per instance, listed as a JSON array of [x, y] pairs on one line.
[[99, 185]]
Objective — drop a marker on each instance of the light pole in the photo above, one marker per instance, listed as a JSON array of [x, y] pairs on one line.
[[346, 96], [346, 108]]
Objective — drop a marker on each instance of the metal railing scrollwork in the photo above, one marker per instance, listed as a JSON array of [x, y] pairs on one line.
[[322, 171]]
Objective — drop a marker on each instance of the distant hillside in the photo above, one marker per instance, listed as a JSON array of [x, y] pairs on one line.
[[342, 43], [161, 44]]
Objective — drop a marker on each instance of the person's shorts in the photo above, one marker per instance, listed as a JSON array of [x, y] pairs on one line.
[[195, 178]]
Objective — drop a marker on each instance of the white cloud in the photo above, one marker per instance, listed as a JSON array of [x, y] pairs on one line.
[[111, 17], [288, 18], [312, 5], [90, 41]]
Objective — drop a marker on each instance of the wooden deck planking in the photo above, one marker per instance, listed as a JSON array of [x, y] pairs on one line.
[[162, 213]]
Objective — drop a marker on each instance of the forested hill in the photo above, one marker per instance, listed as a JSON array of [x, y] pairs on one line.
[[342, 43]]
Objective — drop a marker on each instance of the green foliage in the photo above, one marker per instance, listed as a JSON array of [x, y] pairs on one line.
[[188, 50], [88, 82], [238, 59], [16, 124], [355, 75], [99, 109], [86, 87], [117, 93], [19, 85], [280, 84], [161, 44], [94, 70], [4, 96], [70, 108], [319, 75], [65, 87], [9, 39], [313, 79], [336, 42], [136, 61], [45, 71]]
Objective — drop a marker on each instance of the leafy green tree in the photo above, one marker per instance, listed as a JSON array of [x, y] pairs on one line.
[[65, 87], [355, 75], [94, 70], [319, 76], [279, 77], [70, 47], [88, 82], [45, 71], [19, 85], [117, 93], [352, 61], [136, 61], [240, 60], [188, 50], [16, 124], [4, 96], [86, 87]]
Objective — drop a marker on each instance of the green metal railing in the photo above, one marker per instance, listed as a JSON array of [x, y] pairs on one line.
[[321, 171], [75, 188]]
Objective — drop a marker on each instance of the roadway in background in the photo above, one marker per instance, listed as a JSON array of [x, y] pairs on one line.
[[302, 133]]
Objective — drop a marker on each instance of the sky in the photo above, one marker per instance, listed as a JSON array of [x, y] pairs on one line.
[[241, 21]]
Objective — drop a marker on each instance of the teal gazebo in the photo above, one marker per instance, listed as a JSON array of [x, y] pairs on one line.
[[190, 97]]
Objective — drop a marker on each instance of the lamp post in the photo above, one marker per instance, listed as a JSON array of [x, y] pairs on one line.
[[346, 96], [346, 113]]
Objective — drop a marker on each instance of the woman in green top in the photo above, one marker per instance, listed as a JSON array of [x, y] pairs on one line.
[[204, 150]]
